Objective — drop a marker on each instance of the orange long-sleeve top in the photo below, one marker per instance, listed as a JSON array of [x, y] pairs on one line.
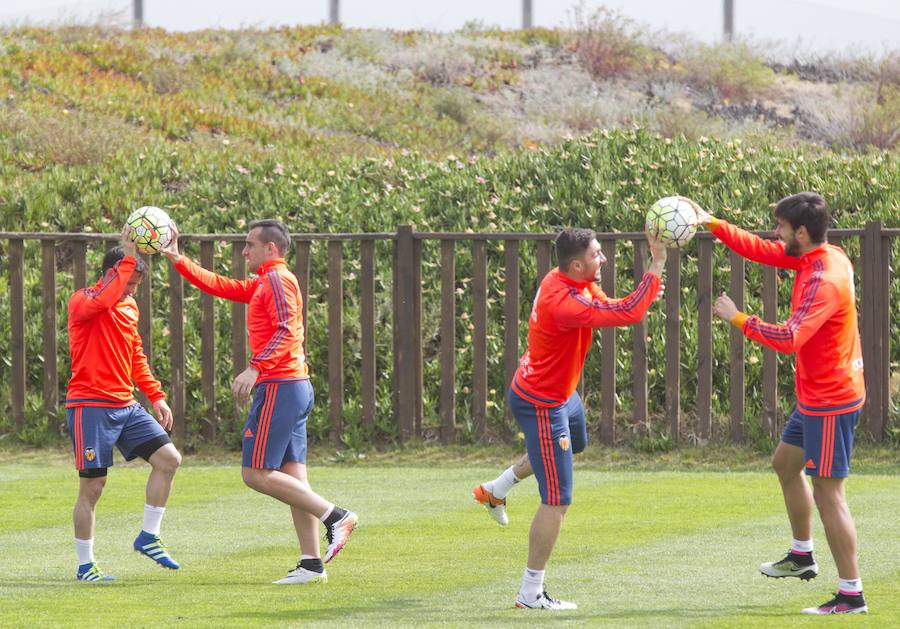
[[105, 346], [559, 332], [822, 330], [274, 315]]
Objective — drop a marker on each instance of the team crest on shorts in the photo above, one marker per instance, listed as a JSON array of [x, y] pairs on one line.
[[248, 434], [564, 442], [89, 454]]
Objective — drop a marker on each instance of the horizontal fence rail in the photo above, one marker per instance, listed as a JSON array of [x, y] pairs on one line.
[[408, 342]]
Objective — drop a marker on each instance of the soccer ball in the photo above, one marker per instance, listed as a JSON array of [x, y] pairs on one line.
[[674, 220], [152, 229]]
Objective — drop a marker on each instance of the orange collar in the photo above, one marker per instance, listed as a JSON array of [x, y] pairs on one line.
[[269, 264]]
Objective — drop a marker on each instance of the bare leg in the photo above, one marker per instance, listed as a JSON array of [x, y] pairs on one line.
[[305, 523], [163, 463], [788, 462], [89, 490], [522, 467], [545, 530], [838, 523], [286, 488]]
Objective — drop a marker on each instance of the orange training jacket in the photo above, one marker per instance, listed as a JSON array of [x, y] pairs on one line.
[[560, 328], [822, 328], [274, 315], [105, 345]]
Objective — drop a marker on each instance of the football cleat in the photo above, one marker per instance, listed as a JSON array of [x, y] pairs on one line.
[[801, 566], [91, 572], [543, 601], [495, 506], [840, 604], [152, 546], [301, 575], [338, 534]]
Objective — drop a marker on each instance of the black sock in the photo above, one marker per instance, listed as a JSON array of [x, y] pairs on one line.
[[313, 565], [802, 560], [336, 514]]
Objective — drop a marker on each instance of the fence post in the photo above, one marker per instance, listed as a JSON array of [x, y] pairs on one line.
[[608, 356], [336, 339], [479, 337], [367, 331], [176, 355], [770, 356], [704, 339], [873, 309], [207, 345], [673, 343], [48, 295], [448, 341], [639, 348], [404, 309], [17, 328], [511, 320], [737, 351]]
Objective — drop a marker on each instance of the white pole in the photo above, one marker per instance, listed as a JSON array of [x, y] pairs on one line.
[[138, 19]]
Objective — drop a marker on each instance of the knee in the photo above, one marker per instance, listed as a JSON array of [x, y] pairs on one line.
[[168, 460], [783, 468], [92, 489], [252, 478]]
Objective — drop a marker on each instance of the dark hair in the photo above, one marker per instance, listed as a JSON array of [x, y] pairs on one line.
[[117, 253], [807, 209], [274, 231], [572, 243]]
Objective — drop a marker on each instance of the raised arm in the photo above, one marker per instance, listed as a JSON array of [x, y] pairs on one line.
[[205, 280]]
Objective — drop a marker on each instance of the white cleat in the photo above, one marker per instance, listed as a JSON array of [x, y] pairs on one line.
[[543, 601], [301, 575], [338, 534], [495, 506]]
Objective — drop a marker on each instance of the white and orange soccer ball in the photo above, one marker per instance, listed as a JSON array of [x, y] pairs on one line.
[[152, 229], [674, 220]]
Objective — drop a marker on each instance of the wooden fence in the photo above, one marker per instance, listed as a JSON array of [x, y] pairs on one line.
[[874, 305]]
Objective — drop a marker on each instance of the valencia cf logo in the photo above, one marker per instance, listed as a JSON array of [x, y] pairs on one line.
[[564, 442], [89, 454]]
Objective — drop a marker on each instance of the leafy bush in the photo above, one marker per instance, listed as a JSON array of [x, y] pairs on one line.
[[732, 70]]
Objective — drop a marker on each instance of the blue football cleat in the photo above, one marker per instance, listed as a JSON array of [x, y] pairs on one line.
[[91, 572], [152, 546]]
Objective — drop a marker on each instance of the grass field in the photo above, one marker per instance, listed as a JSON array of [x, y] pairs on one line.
[[639, 548]]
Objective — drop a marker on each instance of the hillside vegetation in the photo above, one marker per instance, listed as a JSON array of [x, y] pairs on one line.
[[347, 131]]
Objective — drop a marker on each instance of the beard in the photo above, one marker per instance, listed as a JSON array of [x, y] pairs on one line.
[[792, 247]]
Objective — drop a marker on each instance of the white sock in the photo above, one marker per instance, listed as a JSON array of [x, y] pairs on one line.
[[327, 513], [153, 519], [850, 586], [532, 584], [802, 546], [84, 549], [501, 485]]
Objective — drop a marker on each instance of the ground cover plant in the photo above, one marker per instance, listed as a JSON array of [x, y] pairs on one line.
[[640, 547]]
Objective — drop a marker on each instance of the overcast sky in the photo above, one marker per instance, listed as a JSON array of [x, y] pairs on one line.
[[817, 25]]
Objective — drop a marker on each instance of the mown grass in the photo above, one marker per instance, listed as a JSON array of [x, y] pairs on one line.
[[638, 549]]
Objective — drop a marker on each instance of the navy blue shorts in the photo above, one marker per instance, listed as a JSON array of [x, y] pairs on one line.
[[552, 435], [827, 441], [275, 432], [94, 431]]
